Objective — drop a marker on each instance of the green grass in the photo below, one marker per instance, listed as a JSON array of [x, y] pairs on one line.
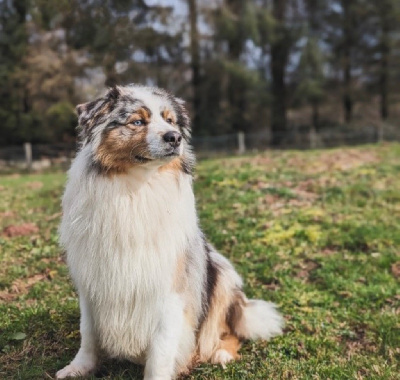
[[316, 232]]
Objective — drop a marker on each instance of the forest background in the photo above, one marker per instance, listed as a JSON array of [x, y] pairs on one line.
[[242, 65]]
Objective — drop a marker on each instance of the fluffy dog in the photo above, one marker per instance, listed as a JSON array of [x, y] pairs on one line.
[[151, 288]]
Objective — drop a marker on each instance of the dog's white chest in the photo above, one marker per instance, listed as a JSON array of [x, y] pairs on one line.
[[122, 247]]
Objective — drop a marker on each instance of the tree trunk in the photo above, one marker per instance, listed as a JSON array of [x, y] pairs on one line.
[[195, 61], [279, 57], [347, 98], [315, 115], [347, 47], [236, 86], [21, 8], [384, 74], [110, 72]]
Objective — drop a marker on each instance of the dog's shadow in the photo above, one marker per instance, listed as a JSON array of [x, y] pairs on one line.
[[122, 369], [119, 369]]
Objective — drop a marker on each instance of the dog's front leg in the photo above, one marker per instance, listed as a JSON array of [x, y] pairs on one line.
[[86, 359], [163, 350]]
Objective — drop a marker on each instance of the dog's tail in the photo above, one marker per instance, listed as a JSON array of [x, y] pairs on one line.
[[255, 319]]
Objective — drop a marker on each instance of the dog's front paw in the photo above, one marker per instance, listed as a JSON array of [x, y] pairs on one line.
[[74, 370]]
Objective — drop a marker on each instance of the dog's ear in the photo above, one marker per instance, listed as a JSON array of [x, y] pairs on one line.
[[86, 117], [80, 108], [95, 112], [114, 93]]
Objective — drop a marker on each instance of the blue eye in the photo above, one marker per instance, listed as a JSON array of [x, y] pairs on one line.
[[138, 122]]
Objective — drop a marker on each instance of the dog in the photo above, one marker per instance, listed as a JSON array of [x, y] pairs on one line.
[[151, 288]]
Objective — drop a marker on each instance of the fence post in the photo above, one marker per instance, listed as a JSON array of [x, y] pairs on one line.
[[313, 138], [28, 155], [241, 143], [379, 128]]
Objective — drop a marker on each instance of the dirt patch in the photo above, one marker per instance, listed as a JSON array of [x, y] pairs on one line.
[[21, 286], [341, 161], [54, 216], [356, 340], [7, 214], [277, 204], [306, 267], [25, 229], [35, 185], [396, 269]]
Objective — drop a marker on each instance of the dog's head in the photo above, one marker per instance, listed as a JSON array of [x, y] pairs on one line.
[[136, 125]]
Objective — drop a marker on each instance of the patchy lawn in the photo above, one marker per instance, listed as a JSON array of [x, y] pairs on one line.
[[316, 232]]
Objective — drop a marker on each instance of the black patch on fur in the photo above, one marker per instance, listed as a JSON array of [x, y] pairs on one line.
[[186, 165], [95, 167], [209, 283], [90, 106], [235, 311], [147, 110], [157, 93], [114, 93]]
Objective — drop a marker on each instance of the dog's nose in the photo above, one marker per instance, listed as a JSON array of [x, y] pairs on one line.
[[174, 138]]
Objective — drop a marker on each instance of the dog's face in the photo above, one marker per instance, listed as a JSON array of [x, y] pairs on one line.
[[135, 125]]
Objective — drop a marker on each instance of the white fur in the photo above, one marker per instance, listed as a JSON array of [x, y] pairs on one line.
[[222, 357], [261, 320], [125, 236]]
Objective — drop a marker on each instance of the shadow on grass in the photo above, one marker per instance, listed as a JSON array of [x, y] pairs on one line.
[[38, 342]]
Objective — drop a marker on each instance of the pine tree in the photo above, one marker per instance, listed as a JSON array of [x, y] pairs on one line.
[[14, 107], [385, 30], [311, 79], [345, 23]]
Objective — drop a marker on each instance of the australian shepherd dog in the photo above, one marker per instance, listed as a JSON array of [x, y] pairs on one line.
[[151, 288]]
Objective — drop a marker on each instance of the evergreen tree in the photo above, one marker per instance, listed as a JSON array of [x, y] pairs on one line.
[[311, 79], [345, 23], [14, 106], [384, 32]]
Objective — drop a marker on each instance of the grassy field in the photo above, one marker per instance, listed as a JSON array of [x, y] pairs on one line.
[[316, 232]]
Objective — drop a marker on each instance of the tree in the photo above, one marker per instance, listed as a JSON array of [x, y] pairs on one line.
[[279, 34], [280, 47], [14, 106], [345, 23], [311, 79], [235, 23], [195, 61], [384, 30]]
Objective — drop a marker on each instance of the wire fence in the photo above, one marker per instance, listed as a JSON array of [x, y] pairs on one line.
[[37, 157]]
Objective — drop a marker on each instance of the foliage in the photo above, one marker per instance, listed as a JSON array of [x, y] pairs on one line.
[[243, 65], [316, 232]]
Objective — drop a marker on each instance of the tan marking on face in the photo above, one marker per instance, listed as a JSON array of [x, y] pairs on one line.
[[118, 148], [141, 114], [168, 114]]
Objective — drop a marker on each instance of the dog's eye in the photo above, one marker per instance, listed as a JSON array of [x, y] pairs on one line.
[[170, 121], [138, 122]]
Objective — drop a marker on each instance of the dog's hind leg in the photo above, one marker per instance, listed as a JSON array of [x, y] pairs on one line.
[[227, 350], [164, 349], [86, 359]]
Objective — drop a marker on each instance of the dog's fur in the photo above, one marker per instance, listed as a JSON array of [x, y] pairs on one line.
[[151, 288]]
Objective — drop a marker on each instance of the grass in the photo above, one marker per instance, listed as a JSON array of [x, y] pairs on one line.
[[316, 232]]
